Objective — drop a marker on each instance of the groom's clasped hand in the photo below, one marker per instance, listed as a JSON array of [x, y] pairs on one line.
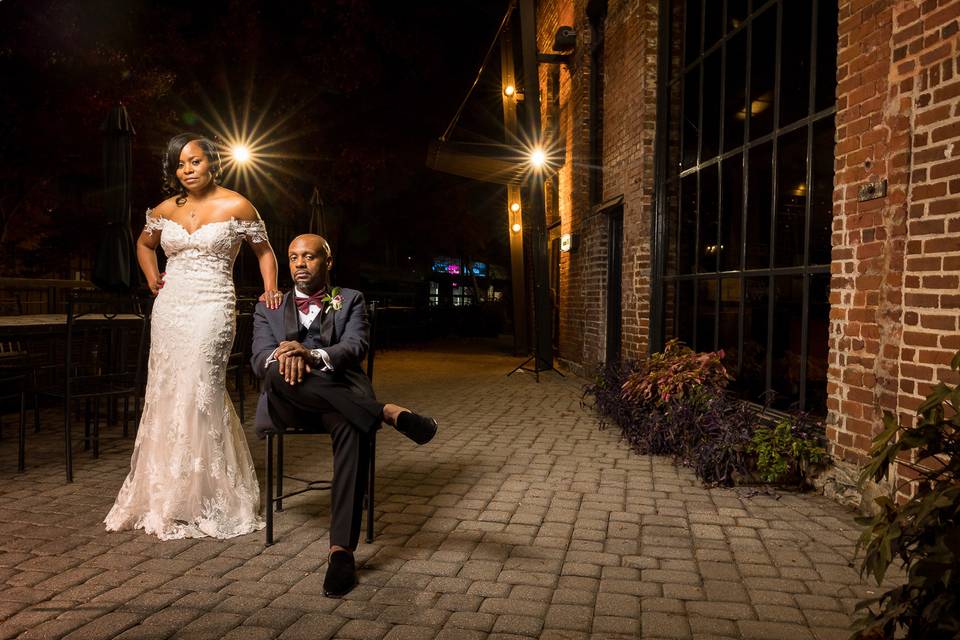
[[293, 359]]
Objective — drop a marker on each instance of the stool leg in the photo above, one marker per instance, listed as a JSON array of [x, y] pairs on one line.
[[269, 500], [68, 445], [22, 435], [86, 425], [96, 426], [279, 471]]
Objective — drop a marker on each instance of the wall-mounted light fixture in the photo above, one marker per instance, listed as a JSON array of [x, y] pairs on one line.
[[515, 207], [538, 158], [516, 227], [565, 39]]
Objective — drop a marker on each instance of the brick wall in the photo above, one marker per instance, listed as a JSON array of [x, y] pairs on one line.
[[579, 271], [895, 302], [630, 104], [895, 287], [629, 110]]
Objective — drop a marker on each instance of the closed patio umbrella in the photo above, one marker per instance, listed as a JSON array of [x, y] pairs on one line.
[[115, 268], [317, 223]]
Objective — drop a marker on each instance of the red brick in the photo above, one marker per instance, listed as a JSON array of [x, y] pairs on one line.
[[945, 323], [941, 245], [941, 282], [921, 339], [945, 169]]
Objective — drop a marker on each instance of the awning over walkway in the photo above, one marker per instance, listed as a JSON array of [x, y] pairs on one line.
[[497, 163]]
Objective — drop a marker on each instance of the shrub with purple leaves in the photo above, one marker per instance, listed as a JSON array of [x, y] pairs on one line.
[[674, 403]]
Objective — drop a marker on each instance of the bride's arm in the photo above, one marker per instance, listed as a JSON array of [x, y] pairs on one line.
[[268, 264], [255, 234], [147, 245]]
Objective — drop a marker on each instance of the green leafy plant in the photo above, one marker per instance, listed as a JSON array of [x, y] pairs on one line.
[[782, 449], [923, 532]]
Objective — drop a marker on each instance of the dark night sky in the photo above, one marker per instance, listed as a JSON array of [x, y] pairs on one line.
[[356, 90]]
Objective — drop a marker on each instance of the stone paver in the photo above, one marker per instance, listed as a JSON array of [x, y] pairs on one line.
[[521, 519]]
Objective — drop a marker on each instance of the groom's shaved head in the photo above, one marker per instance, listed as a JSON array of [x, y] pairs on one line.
[[310, 262], [319, 241]]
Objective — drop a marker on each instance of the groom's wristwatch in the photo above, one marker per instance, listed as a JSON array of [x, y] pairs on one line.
[[316, 355]]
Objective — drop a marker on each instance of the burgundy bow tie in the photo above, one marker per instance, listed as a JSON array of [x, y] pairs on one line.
[[304, 303]]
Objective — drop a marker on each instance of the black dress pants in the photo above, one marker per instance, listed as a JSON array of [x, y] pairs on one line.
[[308, 405]]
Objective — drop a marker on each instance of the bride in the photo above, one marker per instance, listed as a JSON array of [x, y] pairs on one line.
[[191, 474]]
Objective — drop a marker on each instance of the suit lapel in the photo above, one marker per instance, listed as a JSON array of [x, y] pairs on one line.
[[327, 327], [291, 319]]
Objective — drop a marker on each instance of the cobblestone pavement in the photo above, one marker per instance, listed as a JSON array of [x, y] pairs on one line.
[[521, 519]]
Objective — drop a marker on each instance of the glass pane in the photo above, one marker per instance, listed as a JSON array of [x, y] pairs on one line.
[[711, 107], [791, 198], [731, 213], [706, 315], [787, 326], [709, 215], [762, 60], [729, 321], [753, 360], [795, 61], [758, 206], [673, 151], [826, 80], [673, 228], [735, 109], [712, 23], [691, 116], [691, 34], [818, 330], [736, 13], [669, 309], [685, 308], [821, 205], [688, 224]]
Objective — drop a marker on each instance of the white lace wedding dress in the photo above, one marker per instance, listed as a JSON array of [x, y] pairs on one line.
[[191, 474]]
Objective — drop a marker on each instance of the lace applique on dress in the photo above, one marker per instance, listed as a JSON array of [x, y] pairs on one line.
[[154, 223], [253, 230]]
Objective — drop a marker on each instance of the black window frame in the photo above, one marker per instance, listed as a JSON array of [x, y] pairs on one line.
[[671, 78]]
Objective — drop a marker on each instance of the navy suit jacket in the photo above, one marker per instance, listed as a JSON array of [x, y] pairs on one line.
[[344, 334]]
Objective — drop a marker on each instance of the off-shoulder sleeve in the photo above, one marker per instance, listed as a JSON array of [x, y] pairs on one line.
[[154, 222], [252, 230]]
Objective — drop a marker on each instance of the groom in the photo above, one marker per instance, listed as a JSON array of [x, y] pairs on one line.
[[308, 353]]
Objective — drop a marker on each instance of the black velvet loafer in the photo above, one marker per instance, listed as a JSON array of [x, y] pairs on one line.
[[341, 574], [420, 429]]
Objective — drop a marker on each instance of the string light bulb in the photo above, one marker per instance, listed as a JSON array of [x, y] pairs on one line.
[[516, 227], [515, 207], [509, 90]]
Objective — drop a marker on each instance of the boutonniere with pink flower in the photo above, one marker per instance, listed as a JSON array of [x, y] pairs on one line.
[[333, 300]]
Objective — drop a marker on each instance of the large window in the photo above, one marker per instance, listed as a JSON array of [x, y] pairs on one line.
[[748, 186]]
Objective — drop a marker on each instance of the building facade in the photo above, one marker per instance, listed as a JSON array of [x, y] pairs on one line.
[[779, 179]]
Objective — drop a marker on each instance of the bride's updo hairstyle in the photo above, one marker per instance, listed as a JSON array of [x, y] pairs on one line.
[[171, 160]]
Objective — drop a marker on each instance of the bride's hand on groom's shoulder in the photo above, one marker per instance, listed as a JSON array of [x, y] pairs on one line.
[[272, 298]]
